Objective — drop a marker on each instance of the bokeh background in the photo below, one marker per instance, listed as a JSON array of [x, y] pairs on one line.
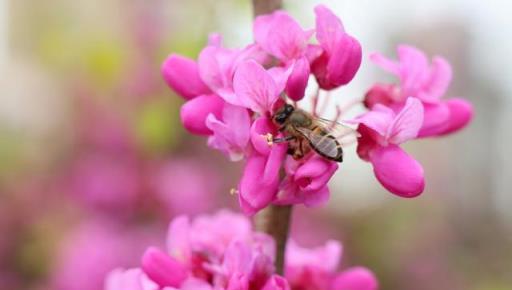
[[94, 161]]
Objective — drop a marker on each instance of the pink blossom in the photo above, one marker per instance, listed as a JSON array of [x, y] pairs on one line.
[[182, 75], [223, 252], [382, 131], [306, 181], [260, 180], [317, 268], [231, 132], [194, 113], [93, 249], [283, 38], [256, 88], [425, 82], [340, 54]]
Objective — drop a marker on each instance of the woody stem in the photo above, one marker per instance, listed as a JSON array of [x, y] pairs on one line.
[[273, 220]]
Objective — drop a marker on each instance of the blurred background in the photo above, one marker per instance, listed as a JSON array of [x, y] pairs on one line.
[[94, 161]]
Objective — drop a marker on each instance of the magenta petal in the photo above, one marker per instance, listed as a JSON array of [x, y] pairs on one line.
[[163, 269], [344, 61], [385, 63], [440, 78], [255, 87], [329, 29], [397, 171], [231, 134], [378, 119], [435, 120], [356, 278], [260, 181], [317, 197], [315, 173], [298, 80], [194, 113], [276, 283], [182, 75], [461, 113], [259, 129], [407, 123], [280, 35]]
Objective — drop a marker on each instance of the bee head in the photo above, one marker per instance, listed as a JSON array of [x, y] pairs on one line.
[[283, 113]]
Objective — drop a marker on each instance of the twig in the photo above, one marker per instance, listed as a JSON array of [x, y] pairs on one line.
[[275, 221], [266, 6]]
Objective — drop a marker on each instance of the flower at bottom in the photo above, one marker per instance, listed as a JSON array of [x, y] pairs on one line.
[[222, 251]]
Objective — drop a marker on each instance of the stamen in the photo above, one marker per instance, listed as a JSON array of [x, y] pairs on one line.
[[315, 100], [269, 138], [233, 191]]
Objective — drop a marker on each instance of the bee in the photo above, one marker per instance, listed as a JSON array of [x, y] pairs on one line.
[[304, 132]]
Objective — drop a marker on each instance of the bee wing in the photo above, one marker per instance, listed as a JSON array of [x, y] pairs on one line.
[[323, 143], [344, 133]]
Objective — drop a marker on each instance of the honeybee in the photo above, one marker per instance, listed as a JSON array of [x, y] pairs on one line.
[[304, 132]]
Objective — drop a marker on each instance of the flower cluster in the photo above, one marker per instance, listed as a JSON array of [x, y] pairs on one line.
[[408, 110], [223, 252], [232, 95]]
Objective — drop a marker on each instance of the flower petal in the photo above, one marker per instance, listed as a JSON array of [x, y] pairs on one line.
[[414, 70], [436, 118], [280, 35], [259, 129], [356, 278], [182, 75], [344, 61], [194, 113], [163, 269], [231, 135], [439, 80], [276, 283], [397, 171], [298, 80], [407, 123], [329, 29], [260, 180], [378, 119], [255, 87], [385, 63], [461, 113]]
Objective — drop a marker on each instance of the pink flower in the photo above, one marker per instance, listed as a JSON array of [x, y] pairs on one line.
[[425, 82], [256, 88], [317, 267], [340, 55], [306, 181], [93, 249], [260, 180], [382, 131], [231, 133], [222, 252], [182, 75], [217, 66], [283, 38]]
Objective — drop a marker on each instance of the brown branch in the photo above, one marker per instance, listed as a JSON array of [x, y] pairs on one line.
[[275, 221], [266, 6]]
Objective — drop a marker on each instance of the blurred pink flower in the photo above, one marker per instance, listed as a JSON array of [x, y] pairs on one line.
[[339, 58], [223, 252], [104, 181], [92, 250], [179, 183], [317, 268], [426, 82], [382, 131]]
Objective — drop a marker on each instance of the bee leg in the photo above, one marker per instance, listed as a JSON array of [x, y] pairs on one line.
[[283, 140]]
